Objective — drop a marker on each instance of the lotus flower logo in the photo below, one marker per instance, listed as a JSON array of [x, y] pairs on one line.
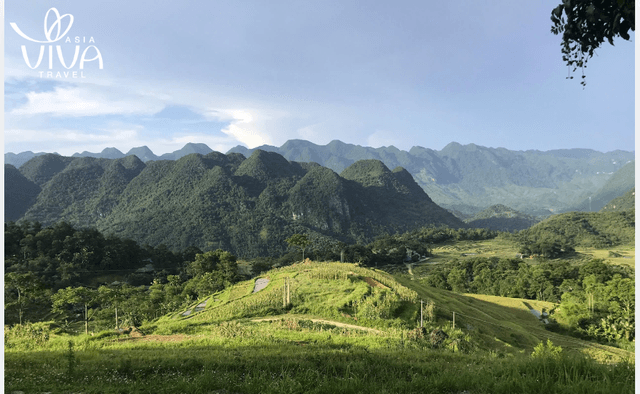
[[54, 31], [57, 24]]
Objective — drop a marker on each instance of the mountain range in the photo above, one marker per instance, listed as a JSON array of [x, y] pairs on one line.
[[248, 206], [462, 178]]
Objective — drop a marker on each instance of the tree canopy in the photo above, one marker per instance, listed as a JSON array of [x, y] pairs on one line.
[[586, 24]]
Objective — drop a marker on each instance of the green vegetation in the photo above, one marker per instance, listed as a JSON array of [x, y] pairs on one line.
[[470, 178], [501, 218], [623, 203], [247, 206], [94, 313], [561, 234], [620, 183], [345, 329]]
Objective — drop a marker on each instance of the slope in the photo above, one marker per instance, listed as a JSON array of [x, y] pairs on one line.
[[353, 297], [20, 195], [619, 183], [470, 177], [502, 218], [625, 202], [248, 206]]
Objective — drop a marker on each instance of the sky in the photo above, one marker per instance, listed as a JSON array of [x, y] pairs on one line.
[[377, 73]]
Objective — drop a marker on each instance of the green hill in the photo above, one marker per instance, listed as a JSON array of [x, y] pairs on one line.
[[20, 195], [625, 202], [358, 298], [619, 183], [501, 218], [322, 327], [248, 206], [467, 178], [470, 177], [584, 229]]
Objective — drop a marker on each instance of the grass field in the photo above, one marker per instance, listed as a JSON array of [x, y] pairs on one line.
[[343, 328]]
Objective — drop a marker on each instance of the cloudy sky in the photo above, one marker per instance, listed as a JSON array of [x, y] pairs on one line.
[[375, 73]]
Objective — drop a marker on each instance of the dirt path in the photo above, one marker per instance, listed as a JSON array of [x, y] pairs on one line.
[[333, 323]]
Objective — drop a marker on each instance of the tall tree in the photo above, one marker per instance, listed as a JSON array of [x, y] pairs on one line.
[[299, 240], [21, 290], [74, 296]]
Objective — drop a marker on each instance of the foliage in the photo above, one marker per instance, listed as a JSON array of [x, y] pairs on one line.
[[299, 240], [625, 202], [586, 24], [561, 234], [546, 351], [595, 299], [247, 206], [271, 358]]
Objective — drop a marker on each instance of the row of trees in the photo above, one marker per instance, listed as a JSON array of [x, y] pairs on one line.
[[384, 250], [594, 299], [118, 304], [76, 275]]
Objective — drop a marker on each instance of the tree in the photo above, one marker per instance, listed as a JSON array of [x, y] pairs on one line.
[[21, 290], [73, 296], [585, 24], [218, 260], [457, 279], [299, 240]]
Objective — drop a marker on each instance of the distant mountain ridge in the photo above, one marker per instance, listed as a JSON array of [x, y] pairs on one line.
[[469, 178], [463, 178], [248, 206]]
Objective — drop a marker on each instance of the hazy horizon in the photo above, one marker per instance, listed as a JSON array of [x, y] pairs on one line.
[[252, 73]]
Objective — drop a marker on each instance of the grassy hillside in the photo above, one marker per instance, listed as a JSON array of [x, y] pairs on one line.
[[341, 294], [342, 328]]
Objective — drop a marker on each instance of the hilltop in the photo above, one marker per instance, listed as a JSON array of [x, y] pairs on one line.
[[465, 178], [248, 206], [501, 218], [347, 295], [469, 178]]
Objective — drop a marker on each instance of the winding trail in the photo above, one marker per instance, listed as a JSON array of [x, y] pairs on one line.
[[331, 322]]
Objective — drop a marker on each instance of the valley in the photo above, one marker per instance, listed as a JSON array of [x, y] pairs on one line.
[[257, 274]]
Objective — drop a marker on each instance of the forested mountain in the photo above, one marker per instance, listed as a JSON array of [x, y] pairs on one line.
[[143, 152], [619, 183], [20, 196], [248, 206], [19, 159], [564, 232], [462, 178], [501, 218], [469, 178], [625, 202]]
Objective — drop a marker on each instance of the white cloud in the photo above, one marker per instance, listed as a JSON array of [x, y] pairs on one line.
[[166, 145], [246, 125], [384, 138], [88, 100]]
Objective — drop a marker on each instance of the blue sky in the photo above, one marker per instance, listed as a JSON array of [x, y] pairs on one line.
[[377, 73]]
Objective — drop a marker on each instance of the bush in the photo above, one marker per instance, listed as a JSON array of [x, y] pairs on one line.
[[546, 352]]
